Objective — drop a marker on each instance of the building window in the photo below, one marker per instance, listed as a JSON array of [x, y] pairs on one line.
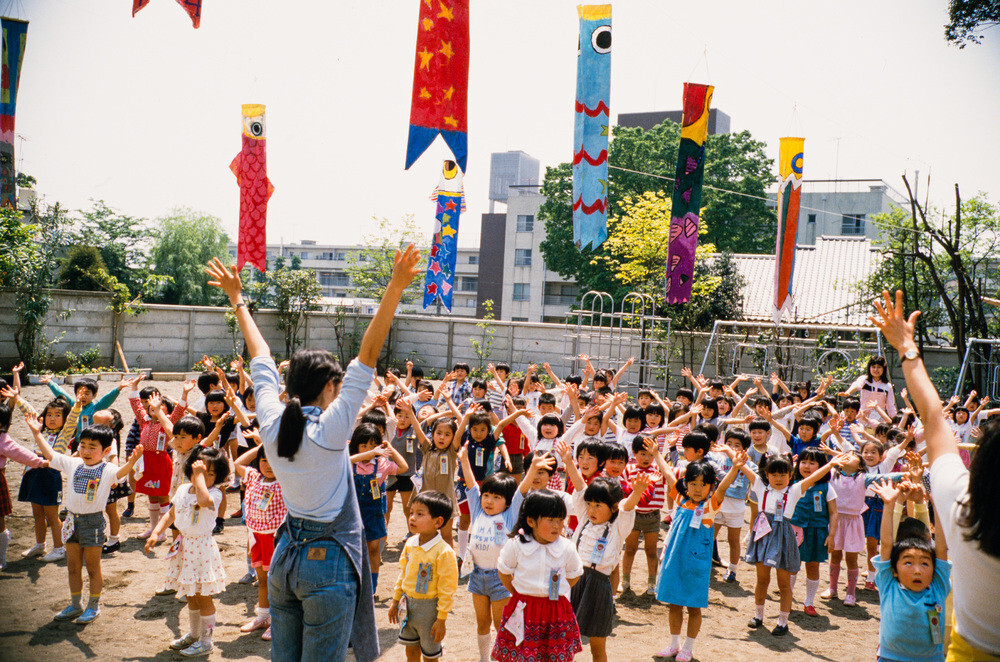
[[521, 291], [811, 218], [340, 256], [326, 256], [522, 257], [525, 223], [474, 259], [852, 225], [305, 255], [518, 319], [470, 283]]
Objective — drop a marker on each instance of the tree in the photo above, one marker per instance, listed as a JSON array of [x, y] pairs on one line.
[[123, 242], [83, 269], [968, 19], [370, 269], [186, 242], [736, 223], [296, 291]]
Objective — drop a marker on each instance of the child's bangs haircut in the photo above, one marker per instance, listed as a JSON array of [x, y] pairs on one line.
[[633, 413], [817, 456], [216, 396], [917, 543], [644, 392], [547, 399], [444, 422], [375, 417], [529, 458], [616, 452], [852, 403], [595, 448], [500, 484], [710, 408], [502, 367], [710, 431], [878, 360], [775, 464], [811, 421], [417, 372], [676, 409], [480, 418], [86, 383], [879, 448], [697, 440], [638, 443], [576, 380], [485, 405], [424, 385], [438, 504], [762, 401], [655, 408], [520, 402], [148, 391], [892, 435], [247, 393], [364, 433], [716, 384], [550, 419], [695, 470], [740, 436], [102, 434], [759, 424], [538, 504], [58, 403], [210, 456], [882, 430], [462, 366], [479, 384], [607, 491], [190, 425], [207, 381], [685, 393]]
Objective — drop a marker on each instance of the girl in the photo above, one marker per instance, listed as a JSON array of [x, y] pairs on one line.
[[772, 539], [404, 441], [14, 451], [874, 387], [370, 457], [440, 462], [814, 522], [687, 553], [264, 511], [194, 565], [220, 418], [495, 508], [538, 567], [876, 460]]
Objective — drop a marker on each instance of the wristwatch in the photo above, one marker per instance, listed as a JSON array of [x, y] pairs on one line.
[[911, 354]]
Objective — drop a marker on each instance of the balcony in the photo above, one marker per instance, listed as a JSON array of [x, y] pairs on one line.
[[559, 299]]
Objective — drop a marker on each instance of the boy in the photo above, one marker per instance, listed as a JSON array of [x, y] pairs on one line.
[[459, 387], [647, 513], [85, 391], [428, 577], [89, 482], [498, 385], [806, 438], [734, 504]]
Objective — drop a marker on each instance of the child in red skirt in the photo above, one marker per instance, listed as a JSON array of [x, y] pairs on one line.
[[264, 510], [538, 566]]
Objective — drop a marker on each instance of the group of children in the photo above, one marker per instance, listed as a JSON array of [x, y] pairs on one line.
[[553, 488]]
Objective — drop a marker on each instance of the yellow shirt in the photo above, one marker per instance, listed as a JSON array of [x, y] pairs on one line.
[[437, 557]]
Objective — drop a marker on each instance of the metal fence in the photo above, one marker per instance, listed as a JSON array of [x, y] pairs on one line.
[[980, 368]]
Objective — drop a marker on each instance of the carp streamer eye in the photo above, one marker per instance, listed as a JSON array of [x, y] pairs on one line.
[[256, 129], [601, 39]]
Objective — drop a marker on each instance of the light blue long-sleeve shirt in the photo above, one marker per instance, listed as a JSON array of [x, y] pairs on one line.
[[315, 483], [87, 413]]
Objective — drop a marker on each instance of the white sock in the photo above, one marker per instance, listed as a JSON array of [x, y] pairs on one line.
[[675, 641], [811, 586], [463, 543], [782, 618], [759, 613], [207, 627], [194, 618], [112, 540], [154, 515], [688, 644], [732, 567], [263, 612], [484, 647], [791, 580]]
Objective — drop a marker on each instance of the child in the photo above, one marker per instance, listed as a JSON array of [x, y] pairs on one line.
[[370, 457], [734, 505], [876, 460], [814, 521], [494, 509], [647, 515], [113, 419], [86, 390], [914, 580], [428, 577], [404, 441], [538, 566], [616, 460], [14, 451], [772, 539], [874, 387], [687, 552], [605, 518], [440, 464], [89, 481], [264, 510], [194, 565]]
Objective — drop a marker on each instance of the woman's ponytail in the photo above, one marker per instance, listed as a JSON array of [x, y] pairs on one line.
[[309, 371], [293, 424]]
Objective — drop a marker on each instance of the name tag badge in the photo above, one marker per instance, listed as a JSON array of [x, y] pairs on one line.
[[424, 572], [409, 445], [84, 422], [444, 465], [597, 555], [92, 486], [376, 494], [554, 576], [499, 537], [817, 502], [195, 515], [264, 500], [479, 457], [161, 441], [779, 511], [699, 512], [934, 622]]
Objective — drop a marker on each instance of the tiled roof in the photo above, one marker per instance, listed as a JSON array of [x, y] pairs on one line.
[[824, 286]]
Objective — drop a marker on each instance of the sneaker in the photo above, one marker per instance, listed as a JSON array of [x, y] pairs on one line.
[[626, 593], [810, 611], [849, 600], [730, 577], [184, 642], [37, 550], [267, 634], [256, 623], [129, 510], [166, 591], [69, 613], [237, 515], [829, 594], [669, 651], [219, 526], [88, 616], [248, 578], [870, 586], [684, 656], [112, 548], [755, 623], [57, 554], [650, 591], [780, 630], [145, 534], [197, 649]]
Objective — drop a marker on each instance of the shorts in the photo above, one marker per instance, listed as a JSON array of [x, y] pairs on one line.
[[261, 549], [731, 513], [648, 522], [416, 629], [462, 496], [487, 582], [516, 464], [88, 530], [399, 484]]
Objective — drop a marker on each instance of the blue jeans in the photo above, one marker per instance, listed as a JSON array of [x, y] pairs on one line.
[[312, 610]]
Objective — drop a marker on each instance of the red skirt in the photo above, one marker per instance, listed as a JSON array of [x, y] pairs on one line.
[[157, 468], [6, 507], [550, 631]]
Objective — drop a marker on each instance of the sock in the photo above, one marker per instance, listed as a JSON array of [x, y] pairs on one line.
[[263, 612], [112, 540], [732, 567], [782, 618], [374, 582], [688, 644], [484, 647], [834, 577], [811, 586], [463, 543], [675, 641], [194, 619], [625, 581], [852, 580], [154, 516], [207, 626], [791, 580], [759, 613], [95, 601], [75, 599]]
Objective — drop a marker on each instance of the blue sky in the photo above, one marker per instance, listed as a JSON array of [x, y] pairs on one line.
[[144, 112]]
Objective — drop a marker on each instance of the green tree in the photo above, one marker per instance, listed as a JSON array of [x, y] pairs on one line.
[[370, 269], [736, 223], [968, 19], [187, 240], [123, 242], [296, 291], [83, 269]]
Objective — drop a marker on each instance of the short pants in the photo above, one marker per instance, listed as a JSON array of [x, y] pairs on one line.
[[731, 513], [416, 629], [88, 530], [648, 522], [487, 582]]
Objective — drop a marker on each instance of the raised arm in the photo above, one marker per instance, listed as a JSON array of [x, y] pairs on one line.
[[227, 279], [555, 380], [404, 269], [621, 371]]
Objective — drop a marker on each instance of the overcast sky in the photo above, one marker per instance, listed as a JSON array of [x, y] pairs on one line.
[[144, 112]]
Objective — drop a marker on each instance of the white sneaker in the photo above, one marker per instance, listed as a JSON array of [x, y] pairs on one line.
[[37, 550], [57, 554], [197, 649]]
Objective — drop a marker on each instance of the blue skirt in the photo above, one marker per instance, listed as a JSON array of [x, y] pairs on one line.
[[873, 517], [41, 485], [373, 519], [687, 563], [813, 548], [776, 549]]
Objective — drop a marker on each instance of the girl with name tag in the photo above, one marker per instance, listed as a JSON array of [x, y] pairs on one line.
[[370, 456], [194, 565], [440, 463], [814, 521], [772, 539]]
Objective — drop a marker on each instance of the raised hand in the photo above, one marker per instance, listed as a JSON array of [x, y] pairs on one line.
[[45, 379], [885, 489], [18, 368], [34, 423], [225, 278], [641, 482], [893, 323], [188, 387], [405, 268], [741, 459]]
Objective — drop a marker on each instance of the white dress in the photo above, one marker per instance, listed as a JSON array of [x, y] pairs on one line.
[[194, 565]]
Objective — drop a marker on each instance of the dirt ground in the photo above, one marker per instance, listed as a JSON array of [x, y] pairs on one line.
[[135, 624]]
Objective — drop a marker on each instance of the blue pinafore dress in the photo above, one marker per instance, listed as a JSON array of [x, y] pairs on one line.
[[372, 503], [686, 565]]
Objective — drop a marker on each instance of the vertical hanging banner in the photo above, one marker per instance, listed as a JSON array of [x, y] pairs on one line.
[[789, 195], [686, 202], [192, 7], [440, 80], [439, 282], [591, 127], [15, 35], [250, 168]]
